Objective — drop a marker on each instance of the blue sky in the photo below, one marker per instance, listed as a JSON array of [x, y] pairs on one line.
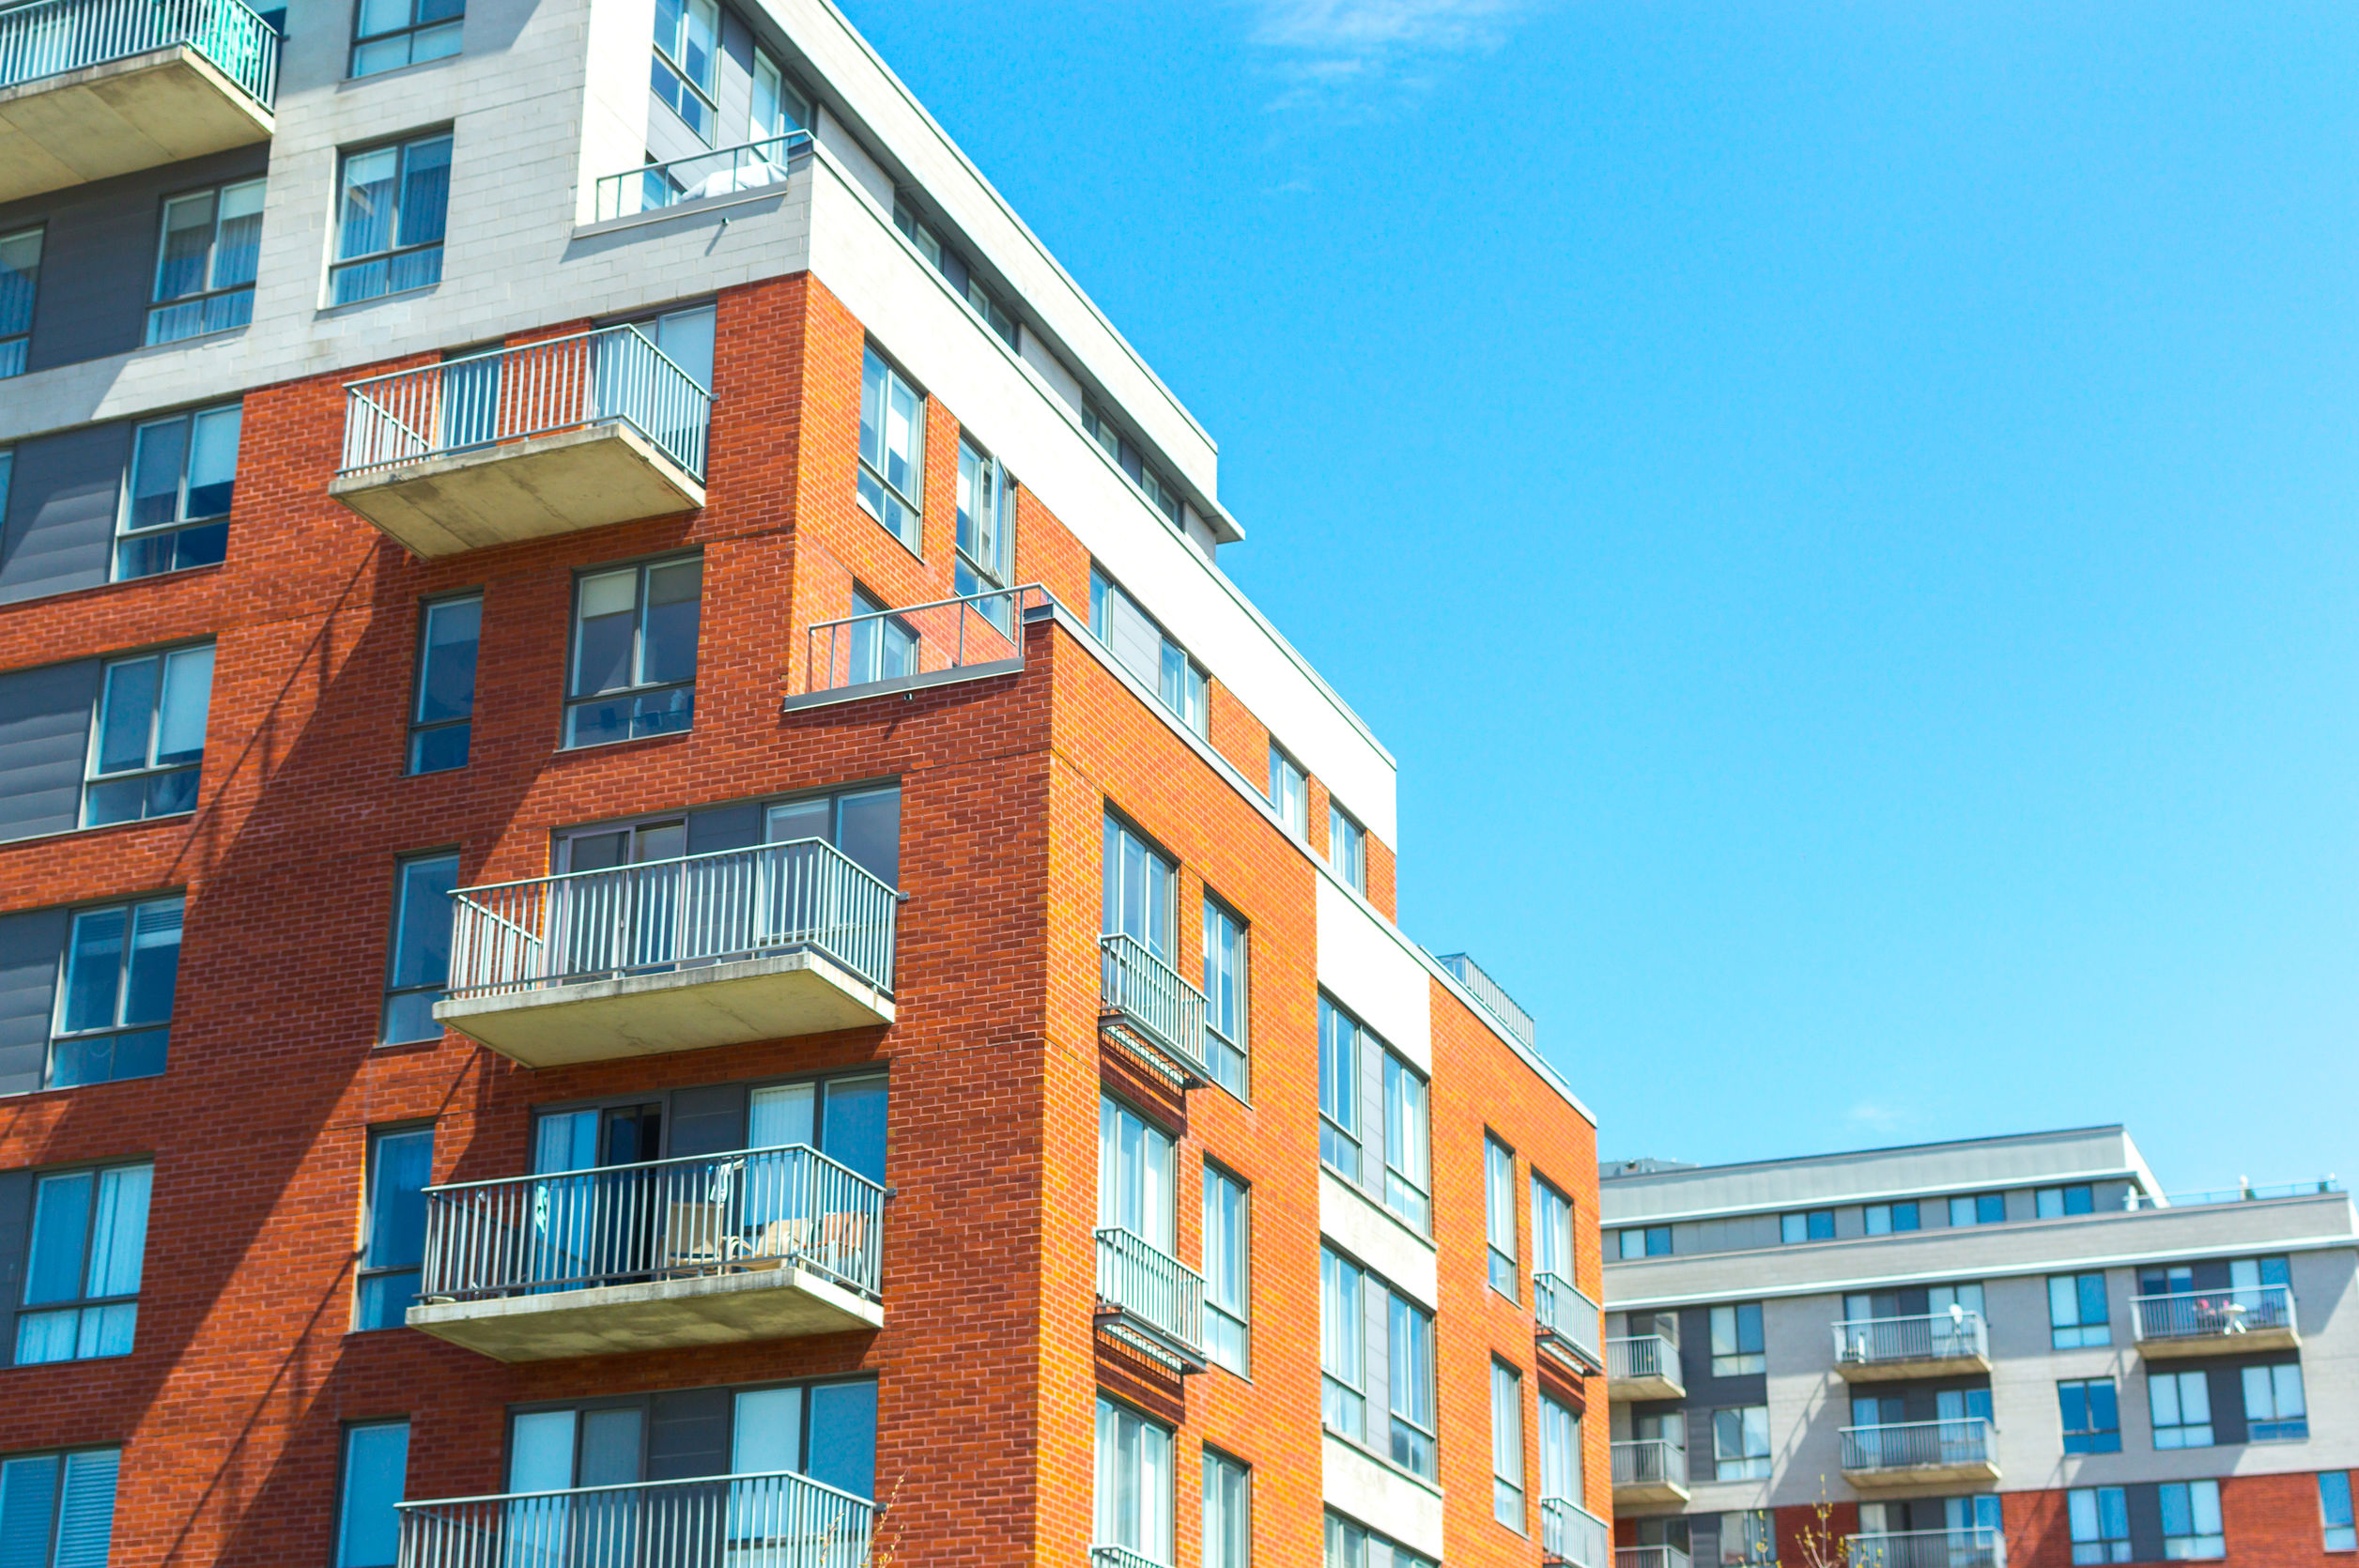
[[1843, 512]]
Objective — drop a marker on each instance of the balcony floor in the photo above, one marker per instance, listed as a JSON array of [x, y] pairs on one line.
[[662, 1315], [1921, 1366], [138, 112], [2220, 1345], [1651, 1386], [534, 489], [1934, 1476], [1648, 1494]]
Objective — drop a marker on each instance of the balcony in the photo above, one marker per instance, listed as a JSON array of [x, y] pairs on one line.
[[672, 955], [1121, 1557], [1144, 1001], [530, 442], [2212, 1322], [777, 1520], [1569, 1323], [748, 171], [1919, 1453], [1875, 1349], [919, 646], [1644, 1366], [1928, 1549], [1649, 1556], [1572, 1537], [1150, 1300], [1649, 1472], [94, 88], [712, 1250]]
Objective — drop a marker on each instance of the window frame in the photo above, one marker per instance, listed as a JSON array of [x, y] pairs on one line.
[[1212, 1175], [373, 1171], [2091, 1438], [1974, 1204], [345, 1510], [396, 936], [2057, 1202], [2191, 1491], [2280, 1427], [912, 505], [17, 346], [1752, 1420], [1499, 1200], [1646, 1248], [421, 675], [1893, 1214], [639, 689], [192, 540], [1229, 1057], [2172, 1386], [1167, 1509], [93, 1223], [1235, 1548], [2077, 1334], [1508, 1478], [409, 33], [339, 265], [121, 1029], [2339, 1528], [1346, 847], [1341, 1037], [1410, 1202], [1343, 1389], [201, 299], [969, 574], [1291, 792], [1741, 1360], [1801, 1227], [62, 1481], [2102, 1546]]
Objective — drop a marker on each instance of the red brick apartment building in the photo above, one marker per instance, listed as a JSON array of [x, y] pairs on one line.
[[655, 906]]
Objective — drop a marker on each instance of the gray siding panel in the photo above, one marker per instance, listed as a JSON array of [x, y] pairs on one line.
[[30, 949], [60, 523], [16, 1232], [44, 744]]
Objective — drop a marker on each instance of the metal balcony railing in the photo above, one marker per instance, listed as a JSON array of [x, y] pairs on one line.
[[1490, 994], [2201, 1313], [1649, 1556], [613, 375], [723, 171], [1121, 1557], [777, 1520], [1928, 1549], [1155, 1295], [667, 1218], [668, 915], [1937, 1336], [949, 639], [1910, 1445], [52, 37], [1567, 1317], [1649, 1462], [1643, 1356], [1573, 1537], [1150, 996]]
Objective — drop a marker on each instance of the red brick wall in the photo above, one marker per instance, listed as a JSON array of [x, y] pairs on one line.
[[2271, 1521]]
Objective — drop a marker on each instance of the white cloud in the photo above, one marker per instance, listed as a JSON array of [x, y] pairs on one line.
[[1337, 54], [1883, 1118]]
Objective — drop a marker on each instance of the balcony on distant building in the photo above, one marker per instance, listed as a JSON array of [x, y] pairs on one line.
[[1644, 1367], [1649, 1472], [2215, 1322], [1919, 1453], [1935, 1344]]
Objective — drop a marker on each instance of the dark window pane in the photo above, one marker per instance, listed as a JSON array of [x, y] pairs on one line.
[[95, 969], [671, 621], [155, 961], [446, 684], [854, 1133], [422, 942], [440, 750], [128, 715], [867, 830], [160, 456], [409, 1016], [843, 1452], [397, 1207]]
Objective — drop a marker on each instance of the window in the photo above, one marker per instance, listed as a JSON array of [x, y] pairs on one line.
[[1409, 1355], [1818, 1224], [205, 263], [881, 646], [1736, 1347], [1135, 1170], [176, 509], [1228, 1284], [2077, 1310], [1882, 1219], [442, 706], [2092, 1415], [2334, 1509], [2191, 1521], [1140, 646], [1227, 1512], [82, 1274], [1140, 887], [1343, 1330], [2181, 1403], [1289, 792], [57, 1510], [1749, 1538], [2052, 1203], [388, 34], [1354, 1306], [1340, 1035], [1983, 1208], [1135, 1483], [1499, 1214], [2274, 1410], [1740, 1444], [400, 1164], [687, 46], [388, 219], [2100, 1519], [635, 633], [826, 1431], [986, 525], [1560, 1450], [946, 260], [376, 1466], [1551, 1234], [777, 107], [1507, 1445], [1159, 492], [1353, 1545], [114, 1010], [1185, 688], [1347, 848], [1408, 1158], [1646, 1241], [892, 451], [418, 966], [864, 823], [20, 280], [1225, 971]]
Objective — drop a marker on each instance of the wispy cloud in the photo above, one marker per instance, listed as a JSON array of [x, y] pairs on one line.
[[1360, 55], [1882, 1118]]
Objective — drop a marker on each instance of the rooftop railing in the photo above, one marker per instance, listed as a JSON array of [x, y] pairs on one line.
[[949, 639], [667, 1218], [779, 1520], [1490, 994], [1643, 1356], [1649, 1556], [723, 171], [2202, 1313], [1937, 1336], [612, 375], [1150, 996], [670, 914], [1649, 1462], [52, 37], [1927, 1548], [1156, 1292], [1573, 1537], [1910, 1445], [1569, 1316]]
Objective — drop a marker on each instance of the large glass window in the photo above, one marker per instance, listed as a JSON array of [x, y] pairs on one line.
[[57, 1510], [1409, 1352], [864, 823], [82, 1276], [1224, 994], [2333, 1510], [1159, 492], [376, 1466], [1551, 1231], [1347, 848], [1135, 1176], [892, 451], [19, 280], [687, 49], [986, 524], [880, 646], [442, 707], [1338, 1088], [1499, 1214], [2054, 1202], [635, 636], [1748, 1538], [2099, 1521], [114, 1010], [1141, 884], [777, 108], [1135, 1483], [2077, 1310], [1228, 1284], [2191, 1521], [2274, 1408], [1737, 1343], [1978, 1209], [2092, 1415], [1884, 1219], [1407, 1154], [388, 34], [1814, 1224], [400, 1164], [390, 218], [1343, 1339], [1560, 1450], [1289, 792], [1141, 647], [176, 509], [205, 263], [1507, 1445], [418, 967], [2181, 1405], [1740, 1444], [1227, 1512]]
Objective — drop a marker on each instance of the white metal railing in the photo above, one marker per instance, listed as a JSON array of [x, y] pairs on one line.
[[1490, 994], [613, 375], [982, 634], [1930, 1337], [52, 36], [1642, 1355], [667, 915], [1153, 1289], [1573, 1536], [1151, 996], [1649, 1556], [1649, 1462], [1927, 1548], [667, 1218], [1121, 1557], [1908, 1445], [724, 171], [1566, 1314], [772, 1520], [2201, 1313]]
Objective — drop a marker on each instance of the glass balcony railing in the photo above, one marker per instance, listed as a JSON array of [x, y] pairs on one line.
[[780, 1520], [1572, 1537], [52, 37], [919, 645], [726, 171], [1151, 1296]]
